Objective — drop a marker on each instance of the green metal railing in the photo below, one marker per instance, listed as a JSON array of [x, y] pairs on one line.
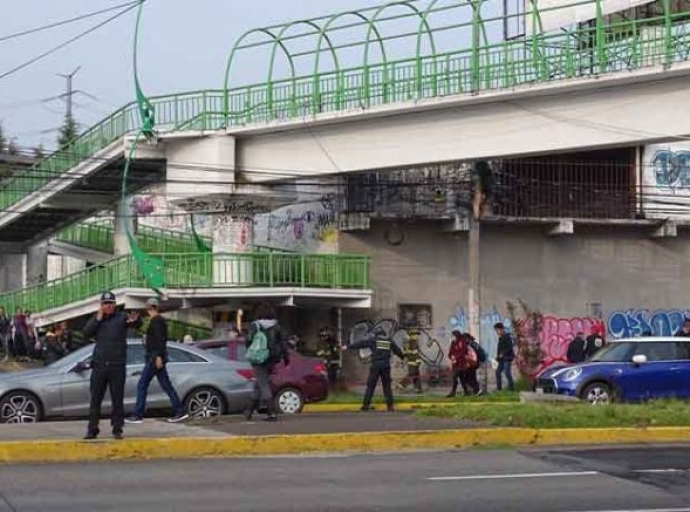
[[101, 237], [195, 270], [485, 64]]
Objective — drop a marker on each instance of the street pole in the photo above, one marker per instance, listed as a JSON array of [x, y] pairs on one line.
[[474, 261], [70, 90]]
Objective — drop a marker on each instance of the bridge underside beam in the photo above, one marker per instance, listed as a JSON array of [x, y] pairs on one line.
[[627, 109], [43, 217]]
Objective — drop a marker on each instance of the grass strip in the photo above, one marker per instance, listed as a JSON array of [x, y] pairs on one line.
[[545, 416]]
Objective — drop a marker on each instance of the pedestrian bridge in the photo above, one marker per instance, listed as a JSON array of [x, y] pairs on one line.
[[316, 114], [406, 83]]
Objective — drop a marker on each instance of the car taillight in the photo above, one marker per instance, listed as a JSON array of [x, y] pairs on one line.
[[321, 368], [247, 374]]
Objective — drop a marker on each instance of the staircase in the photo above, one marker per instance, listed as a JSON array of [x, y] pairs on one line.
[[101, 237]]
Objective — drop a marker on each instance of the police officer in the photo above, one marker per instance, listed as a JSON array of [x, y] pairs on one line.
[[109, 361], [380, 366], [414, 360], [329, 351]]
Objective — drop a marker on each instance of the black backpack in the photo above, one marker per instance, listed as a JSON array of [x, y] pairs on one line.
[[481, 353]]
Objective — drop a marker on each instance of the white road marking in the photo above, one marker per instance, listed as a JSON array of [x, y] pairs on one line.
[[514, 476], [642, 510], [661, 471]]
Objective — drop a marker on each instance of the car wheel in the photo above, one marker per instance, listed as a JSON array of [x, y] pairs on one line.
[[290, 401], [598, 393], [205, 403], [20, 407]]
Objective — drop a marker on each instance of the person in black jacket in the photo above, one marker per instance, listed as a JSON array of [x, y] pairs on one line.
[[54, 348], [380, 365], [108, 363], [5, 332], [265, 323], [155, 366], [505, 355]]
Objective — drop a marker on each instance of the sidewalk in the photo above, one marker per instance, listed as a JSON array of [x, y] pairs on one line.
[[295, 435]]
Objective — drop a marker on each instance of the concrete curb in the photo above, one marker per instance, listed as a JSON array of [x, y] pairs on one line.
[[186, 448], [402, 406]]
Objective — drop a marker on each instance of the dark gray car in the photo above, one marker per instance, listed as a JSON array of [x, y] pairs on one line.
[[208, 385]]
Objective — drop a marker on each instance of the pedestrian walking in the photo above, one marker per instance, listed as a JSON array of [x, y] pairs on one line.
[[577, 349], [379, 367], [156, 343], [20, 337], [329, 351], [505, 355], [465, 361], [5, 333], [109, 362], [265, 348], [413, 358]]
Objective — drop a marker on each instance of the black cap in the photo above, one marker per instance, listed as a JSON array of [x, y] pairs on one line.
[[108, 297]]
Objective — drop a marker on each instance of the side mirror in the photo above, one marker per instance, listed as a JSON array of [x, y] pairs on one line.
[[82, 366], [639, 359]]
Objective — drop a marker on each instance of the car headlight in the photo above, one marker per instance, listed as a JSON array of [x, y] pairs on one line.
[[572, 374]]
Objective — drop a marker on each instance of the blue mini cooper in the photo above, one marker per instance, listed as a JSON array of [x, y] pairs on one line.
[[627, 370]]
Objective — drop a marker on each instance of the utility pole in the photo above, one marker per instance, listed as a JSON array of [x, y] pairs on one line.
[[70, 91], [480, 173]]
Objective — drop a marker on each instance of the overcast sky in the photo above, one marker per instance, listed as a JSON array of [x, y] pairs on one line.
[[184, 46]]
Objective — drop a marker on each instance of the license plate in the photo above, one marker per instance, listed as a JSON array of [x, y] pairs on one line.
[[540, 391]]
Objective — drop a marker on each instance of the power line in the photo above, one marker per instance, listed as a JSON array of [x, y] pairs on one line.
[[64, 22], [66, 43]]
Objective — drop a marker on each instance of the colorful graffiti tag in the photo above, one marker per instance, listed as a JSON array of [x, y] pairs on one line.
[[430, 348], [557, 333], [639, 322]]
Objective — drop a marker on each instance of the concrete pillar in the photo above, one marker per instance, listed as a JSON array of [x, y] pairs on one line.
[[122, 217], [12, 272], [37, 264], [233, 240]]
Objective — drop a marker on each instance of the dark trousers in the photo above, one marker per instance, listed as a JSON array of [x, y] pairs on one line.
[[505, 367], [467, 379], [150, 371], [262, 388], [111, 377], [19, 344], [377, 372], [333, 374]]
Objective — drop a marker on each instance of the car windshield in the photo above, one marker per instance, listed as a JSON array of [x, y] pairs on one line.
[[616, 352]]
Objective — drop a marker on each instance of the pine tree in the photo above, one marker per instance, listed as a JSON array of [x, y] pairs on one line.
[[68, 132]]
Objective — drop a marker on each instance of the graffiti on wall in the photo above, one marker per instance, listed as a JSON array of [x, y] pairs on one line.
[[671, 168], [305, 227], [557, 333], [639, 322], [666, 180], [431, 350]]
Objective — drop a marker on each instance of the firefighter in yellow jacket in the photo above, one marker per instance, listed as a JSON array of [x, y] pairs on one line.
[[414, 361]]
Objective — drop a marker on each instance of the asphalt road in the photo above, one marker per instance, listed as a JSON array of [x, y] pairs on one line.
[[635, 479]]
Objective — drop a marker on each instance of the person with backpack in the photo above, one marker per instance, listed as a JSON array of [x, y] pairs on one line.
[[472, 380], [465, 361], [265, 348], [379, 366], [505, 355]]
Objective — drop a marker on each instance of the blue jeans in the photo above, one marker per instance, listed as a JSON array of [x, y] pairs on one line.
[[505, 367], [147, 376]]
